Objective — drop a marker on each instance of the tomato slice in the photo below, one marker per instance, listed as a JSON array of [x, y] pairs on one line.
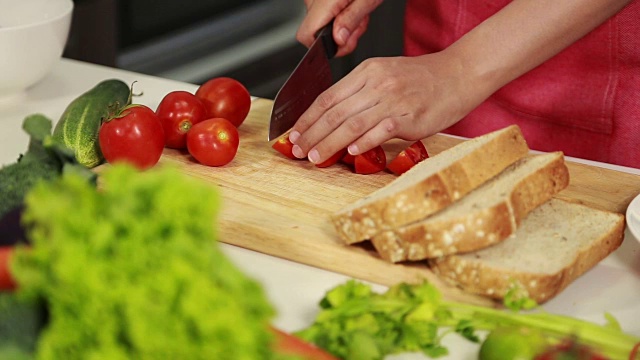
[[408, 157], [333, 159], [371, 161], [287, 344], [348, 159], [284, 146], [6, 280]]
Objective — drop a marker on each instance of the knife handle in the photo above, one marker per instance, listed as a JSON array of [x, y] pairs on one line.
[[326, 36]]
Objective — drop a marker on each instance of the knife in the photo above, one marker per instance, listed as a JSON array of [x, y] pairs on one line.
[[309, 79]]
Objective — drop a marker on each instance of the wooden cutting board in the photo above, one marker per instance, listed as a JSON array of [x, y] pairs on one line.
[[281, 207]]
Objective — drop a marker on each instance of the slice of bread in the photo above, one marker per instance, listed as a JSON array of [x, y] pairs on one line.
[[431, 185], [485, 216], [554, 245]]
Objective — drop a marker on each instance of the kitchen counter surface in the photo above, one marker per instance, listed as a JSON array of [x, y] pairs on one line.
[[294, 288]]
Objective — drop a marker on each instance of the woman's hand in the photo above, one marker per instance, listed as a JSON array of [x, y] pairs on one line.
[[384, 98], [351, 20]]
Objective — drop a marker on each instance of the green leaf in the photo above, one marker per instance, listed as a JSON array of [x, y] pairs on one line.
[[363, 346], [517, 298], [466, 328], [37, 126]]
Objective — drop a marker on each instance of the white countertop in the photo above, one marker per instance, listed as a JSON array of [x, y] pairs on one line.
[[295, 289]]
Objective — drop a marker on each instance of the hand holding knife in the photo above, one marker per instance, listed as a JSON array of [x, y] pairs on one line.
[[310, 78]]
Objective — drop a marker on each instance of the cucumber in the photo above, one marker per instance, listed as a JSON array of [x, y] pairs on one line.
[[79, 125]]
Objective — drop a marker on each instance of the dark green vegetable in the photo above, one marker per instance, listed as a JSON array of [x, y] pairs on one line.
[[44, 160], [356, 323], [79, 125], [133, 271], [20, 324]]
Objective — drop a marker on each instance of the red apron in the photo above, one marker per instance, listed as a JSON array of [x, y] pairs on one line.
[[585, 101]]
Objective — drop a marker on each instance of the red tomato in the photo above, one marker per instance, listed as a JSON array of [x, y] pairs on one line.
[[225, 98], [348, 159], [178, 112], [333, 159], [287, 344], [213, 142], [284, 146], [6, 280], [370, 161], [135, 136], [408, 157]]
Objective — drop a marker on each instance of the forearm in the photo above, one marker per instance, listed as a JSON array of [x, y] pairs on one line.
[[524, 34]]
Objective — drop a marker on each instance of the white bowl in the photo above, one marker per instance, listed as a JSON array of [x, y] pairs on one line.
[[33, 34], [633, 217]]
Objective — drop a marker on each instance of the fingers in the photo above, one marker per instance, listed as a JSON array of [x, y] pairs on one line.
[[350, 23], [337, 127], [352, 40], [356, 117], [319, 13], [351, 18]]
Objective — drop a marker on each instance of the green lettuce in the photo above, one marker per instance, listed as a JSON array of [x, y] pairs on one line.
[[132, 271]]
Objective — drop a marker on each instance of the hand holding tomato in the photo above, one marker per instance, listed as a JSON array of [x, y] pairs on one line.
[[134, 136], [213, 142], [178, 112], [225, 98]]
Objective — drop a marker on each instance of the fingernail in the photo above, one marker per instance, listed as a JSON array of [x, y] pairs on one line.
[[353, 149], [314, 156], [294, 136], [343, 36], [297, 151]]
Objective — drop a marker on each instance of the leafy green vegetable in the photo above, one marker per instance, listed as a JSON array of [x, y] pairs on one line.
[[43, 160], [357, 323], [20, 324], [133, 271]]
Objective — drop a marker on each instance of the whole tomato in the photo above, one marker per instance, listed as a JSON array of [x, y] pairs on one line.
[[178, 112], [134, 136], [213, 142], [225, 98]]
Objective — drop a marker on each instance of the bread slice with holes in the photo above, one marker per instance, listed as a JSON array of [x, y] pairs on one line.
[[554, 245], [431, 185], [485, 216]]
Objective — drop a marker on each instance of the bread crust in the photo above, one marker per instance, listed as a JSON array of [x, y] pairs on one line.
[[372, 214], [469, 231], [477, 277]]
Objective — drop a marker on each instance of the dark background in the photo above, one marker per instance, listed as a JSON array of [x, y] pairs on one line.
[[164, 38]]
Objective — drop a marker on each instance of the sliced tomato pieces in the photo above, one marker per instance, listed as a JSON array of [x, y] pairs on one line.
[[348, 159], [284, 146], [6, 280], [408, 157], [371, 161], [287, 344], [333, 159]]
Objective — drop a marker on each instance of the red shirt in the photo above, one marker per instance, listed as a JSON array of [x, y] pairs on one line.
[[585, 101]]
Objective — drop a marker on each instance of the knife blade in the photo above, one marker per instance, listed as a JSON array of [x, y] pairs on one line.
[[309, 79]]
